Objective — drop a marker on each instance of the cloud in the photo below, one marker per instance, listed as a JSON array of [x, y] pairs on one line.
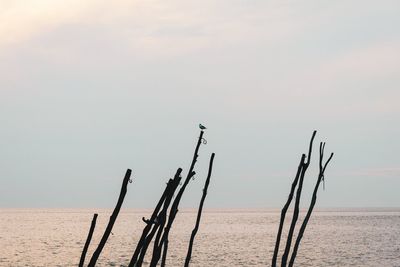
[[372, 61], [384, 172], [151, 28], [20, 20]]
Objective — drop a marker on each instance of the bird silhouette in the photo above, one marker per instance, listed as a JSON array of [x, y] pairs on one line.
[[202, 127]]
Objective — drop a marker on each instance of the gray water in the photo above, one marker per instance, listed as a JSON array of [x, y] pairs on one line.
[[50, 237]]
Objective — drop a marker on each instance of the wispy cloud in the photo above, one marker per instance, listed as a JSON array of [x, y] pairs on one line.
[[385, 172], [377, 60], [151, 28], [259, 73], [21, 20]]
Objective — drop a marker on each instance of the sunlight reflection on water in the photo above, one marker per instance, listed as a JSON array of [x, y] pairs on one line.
[[226, 237]]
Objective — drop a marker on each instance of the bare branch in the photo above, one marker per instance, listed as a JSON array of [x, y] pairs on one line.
[[297, 204], [113, 218], [196, 228], [89, 238], [312, 204]]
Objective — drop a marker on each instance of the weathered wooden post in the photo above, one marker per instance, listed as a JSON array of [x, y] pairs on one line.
[[151, 221], [174, 209], [161, 218], [113, 218], [88, 239], [196, 228], [284, 210], [297, 204], [322, 168], [298, 182]]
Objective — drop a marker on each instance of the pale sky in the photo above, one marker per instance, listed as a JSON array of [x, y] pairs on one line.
[[91, 88]]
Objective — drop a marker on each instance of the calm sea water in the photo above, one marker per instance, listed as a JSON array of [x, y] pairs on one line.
[[226, 237]]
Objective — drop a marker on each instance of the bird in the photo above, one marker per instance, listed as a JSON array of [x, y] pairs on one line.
[[202, 127]]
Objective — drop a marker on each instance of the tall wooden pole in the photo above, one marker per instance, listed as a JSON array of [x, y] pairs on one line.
[[113, 218], [151, 221], [89, 238], [284, 210], [297, 204], [196, 228], [312, 204], [174, 207]]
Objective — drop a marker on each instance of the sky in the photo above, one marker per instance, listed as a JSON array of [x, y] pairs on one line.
[[91, 88]]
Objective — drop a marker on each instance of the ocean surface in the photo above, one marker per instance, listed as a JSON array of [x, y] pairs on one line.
[[51, 237]]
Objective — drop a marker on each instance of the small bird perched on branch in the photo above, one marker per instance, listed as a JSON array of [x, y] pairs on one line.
[[202, 127]]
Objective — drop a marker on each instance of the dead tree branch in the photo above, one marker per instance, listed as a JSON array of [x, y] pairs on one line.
[[322, 168], [284, 210], [162, 221], [89, 238], [113, 218], [174, 208], [161, 218], [150, 222], [297, 204], [196, 228]]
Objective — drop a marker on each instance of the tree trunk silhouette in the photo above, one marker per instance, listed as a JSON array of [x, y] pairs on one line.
[[174, 209], [196, 228], [89, 238], [297, 204], [150, 223], [113, 218], [313, 201], [284, 210]]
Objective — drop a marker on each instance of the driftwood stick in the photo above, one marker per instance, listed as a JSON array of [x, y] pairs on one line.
[[196, 228], [313, 201], [297, 204], [174, 207], [113, 218], [284, 210], [164, 255], [89, 238], [161, 218], [150, 222], [163, 244], [147, 239]]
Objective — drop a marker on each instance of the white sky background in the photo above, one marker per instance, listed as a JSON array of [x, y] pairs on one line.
[[90, 88]]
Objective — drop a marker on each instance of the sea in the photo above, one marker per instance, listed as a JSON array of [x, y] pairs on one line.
[[226, 237]]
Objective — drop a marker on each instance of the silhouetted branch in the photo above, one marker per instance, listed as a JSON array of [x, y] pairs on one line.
[[196, 228], [297, 204], [149, 228], [313, 201], [284, 210], [89, 238], [164, 255], [174, 208], [160, 220], [113, 218], [150, 221]]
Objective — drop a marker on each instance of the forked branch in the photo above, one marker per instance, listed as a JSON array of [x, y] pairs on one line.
[[297, 204], [321, 177]]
